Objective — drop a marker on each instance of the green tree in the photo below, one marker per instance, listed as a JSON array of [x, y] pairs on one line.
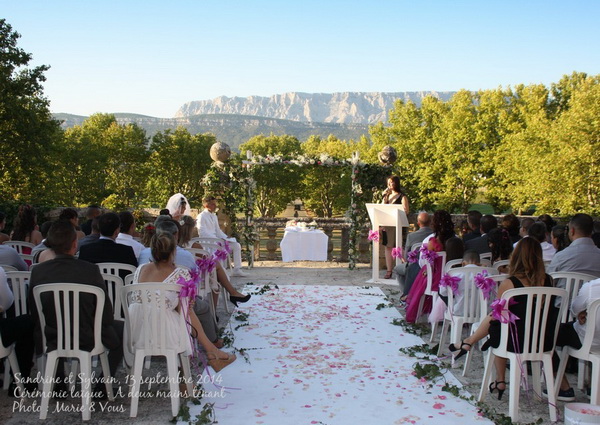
[[177, 163], [28, 133], [277, 184]]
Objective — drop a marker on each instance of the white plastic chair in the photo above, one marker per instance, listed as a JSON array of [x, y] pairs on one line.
[[584, 353], [484, 309], [205, 290], [10, 364], [113, 289], [471, 311], [19, 283], [19, 247], [8, 268], [213, 244], [116, 268], [428, 289], [486, 256], [498, 264], [153, 341], [452, 264], [416, 246], [66, 298], [573, 282], [533, 346]]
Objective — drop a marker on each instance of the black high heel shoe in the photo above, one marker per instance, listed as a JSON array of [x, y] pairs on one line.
[[236, 300], [494, 386], [460, 349]]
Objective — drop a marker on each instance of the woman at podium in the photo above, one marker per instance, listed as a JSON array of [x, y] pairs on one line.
[[392, 195]]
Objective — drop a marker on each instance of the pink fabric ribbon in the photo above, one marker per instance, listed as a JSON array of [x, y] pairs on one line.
[[487, 285], [397, 252], [450, 282], [501, 312], [428, 255], [374, 235]]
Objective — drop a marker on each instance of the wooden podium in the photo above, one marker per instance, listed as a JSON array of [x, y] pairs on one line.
[[385, 215]]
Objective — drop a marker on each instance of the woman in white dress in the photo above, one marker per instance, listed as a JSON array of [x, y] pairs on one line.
[[162, 269], [178, 206]]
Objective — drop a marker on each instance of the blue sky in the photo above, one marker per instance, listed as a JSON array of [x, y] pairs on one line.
[[150, 57]]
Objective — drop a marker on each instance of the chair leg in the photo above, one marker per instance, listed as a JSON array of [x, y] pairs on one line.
[[487, 375], [442, 337], [86, 386], [187, 373], [173, 385], [12, 364], [6, 374], [595, 395], [107, 376], [536, 380], [138, 363], [515, 390], [549, 379], [581, 373], [49, 374], [564, 357]]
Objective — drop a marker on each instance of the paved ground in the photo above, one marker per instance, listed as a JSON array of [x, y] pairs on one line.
[[157, 410]]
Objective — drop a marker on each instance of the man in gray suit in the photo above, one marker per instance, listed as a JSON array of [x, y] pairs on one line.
[[423, 221]]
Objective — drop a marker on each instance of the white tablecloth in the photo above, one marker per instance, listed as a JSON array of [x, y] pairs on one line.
[[309, 245]]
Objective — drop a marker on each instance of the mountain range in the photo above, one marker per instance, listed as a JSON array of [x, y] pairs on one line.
[[234, 120]]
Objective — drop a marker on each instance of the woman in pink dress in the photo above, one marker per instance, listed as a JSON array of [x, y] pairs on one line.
[[443, 230]]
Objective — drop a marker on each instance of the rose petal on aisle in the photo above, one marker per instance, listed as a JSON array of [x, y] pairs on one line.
[[326, 355]]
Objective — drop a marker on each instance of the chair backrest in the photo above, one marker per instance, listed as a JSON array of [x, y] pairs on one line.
[[539, 302], [152, 300], [592, 326], [471, 310], [486, 256], [416, 246], [19, 245], [8, 268], [485, 304], [67, 298], [114, 284], [116, 269], [19, 283], [500, 263], [573, 282], [452, 264]]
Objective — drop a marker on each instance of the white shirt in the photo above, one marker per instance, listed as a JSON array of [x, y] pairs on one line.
[[208, 225], [459, 296], [589, 292], [182, 257], [6, 296], [548, 251], [125, 239]]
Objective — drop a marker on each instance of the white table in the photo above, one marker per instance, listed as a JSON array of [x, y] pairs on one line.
[[304, 245]]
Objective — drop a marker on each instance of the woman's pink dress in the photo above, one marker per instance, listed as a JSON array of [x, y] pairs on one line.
[[420, 284]]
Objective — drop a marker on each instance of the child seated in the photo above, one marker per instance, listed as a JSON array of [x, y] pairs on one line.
[[470, 259]]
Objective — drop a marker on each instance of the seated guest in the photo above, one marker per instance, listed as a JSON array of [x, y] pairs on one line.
[[187, 231], [165, 211], [69, 214], [10, 257], [127, 230], [17, 330], [510, 222], [464, 229], [163, 269], [560, 237], [147, 232], [62, 239], [526, 223], [582, 255], [596, 233], [526, 269], [423, 222], [3, 236], [500, 246], [37, 250], [106, 249], [208, 227], [549, 222], [470, 259], [538, 231], [443, 231], [25, 227], [474, 220], [480, 244], [91, 213], [573, 333], [93, 236]]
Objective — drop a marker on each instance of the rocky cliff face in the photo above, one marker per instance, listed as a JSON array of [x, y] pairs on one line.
[[343, 108]]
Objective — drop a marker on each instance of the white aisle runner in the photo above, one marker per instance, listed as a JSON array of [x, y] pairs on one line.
[[326, 355]]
